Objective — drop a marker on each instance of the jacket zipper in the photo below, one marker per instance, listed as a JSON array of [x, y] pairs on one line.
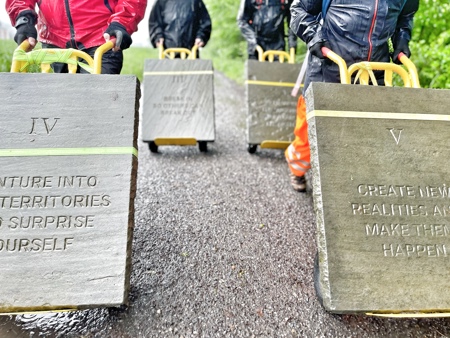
[[72, 30], [372, 26]]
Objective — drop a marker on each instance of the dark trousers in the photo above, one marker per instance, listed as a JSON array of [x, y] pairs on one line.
[[111, 61]]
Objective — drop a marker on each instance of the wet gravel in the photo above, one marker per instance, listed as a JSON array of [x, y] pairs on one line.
[[223, 247]]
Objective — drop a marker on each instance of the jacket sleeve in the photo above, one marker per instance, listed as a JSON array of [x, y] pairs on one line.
[[156, 23], [305, 20], [405, 22], [244, 18], [15, 7], [129, 13], [204, 28], [292, 38]]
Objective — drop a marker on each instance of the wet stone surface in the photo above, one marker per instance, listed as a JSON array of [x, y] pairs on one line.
[[381, 189], [269, 102], [65, 225], [178, 100], [222, 247]]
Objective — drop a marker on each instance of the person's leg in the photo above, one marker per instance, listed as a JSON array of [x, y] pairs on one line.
[[253, 56], [298, 153], [111, 61]]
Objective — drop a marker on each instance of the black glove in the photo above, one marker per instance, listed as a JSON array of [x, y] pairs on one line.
[[316, 49], [123, 39], [401, 46], [25, 25]]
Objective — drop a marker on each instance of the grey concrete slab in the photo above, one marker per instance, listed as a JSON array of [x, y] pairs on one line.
[[271, 110], [381, 192], [178, 100], [67, 188]]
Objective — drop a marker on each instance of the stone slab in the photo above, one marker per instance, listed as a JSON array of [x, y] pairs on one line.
[[271, 110], [380, 162], [178, 100], [67, 188]]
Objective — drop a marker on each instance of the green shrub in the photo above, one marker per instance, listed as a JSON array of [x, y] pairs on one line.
[[430, 45], [6, 52]]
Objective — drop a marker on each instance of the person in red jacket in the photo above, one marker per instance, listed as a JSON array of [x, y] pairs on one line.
[[78, 24]]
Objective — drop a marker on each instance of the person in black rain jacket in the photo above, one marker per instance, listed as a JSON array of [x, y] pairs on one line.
[[262, 22], [357, 30], [179, 24]]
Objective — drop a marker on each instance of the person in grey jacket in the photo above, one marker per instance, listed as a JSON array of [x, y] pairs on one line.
[[357, 30], [262, 23], [179, 24]]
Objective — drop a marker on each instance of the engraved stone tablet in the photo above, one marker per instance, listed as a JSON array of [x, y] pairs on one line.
[[178, 100], [67, 185], [381, 160], [271, 110]]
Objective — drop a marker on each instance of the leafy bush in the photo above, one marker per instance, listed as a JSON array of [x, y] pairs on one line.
[[226, 47], [430, 45]]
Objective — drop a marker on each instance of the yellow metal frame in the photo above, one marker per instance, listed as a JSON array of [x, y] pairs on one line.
[[170, 53], [39, 312], [275, 144], [270, 55], [364, 70], [173, 141], [185, 54], [410, 314], [95, 63]]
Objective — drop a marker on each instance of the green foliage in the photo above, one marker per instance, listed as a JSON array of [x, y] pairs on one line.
[[7, 48], [133, 60], [226, 47], [430, 45], [226, 41], [6, 52]]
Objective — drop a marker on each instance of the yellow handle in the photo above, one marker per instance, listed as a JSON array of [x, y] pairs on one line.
[[44, 57], [365, 70], [411, 69], [343, 71], [185, 53], [98, 55], [271, 54]]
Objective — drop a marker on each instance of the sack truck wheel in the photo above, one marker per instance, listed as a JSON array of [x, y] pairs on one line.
[[153, 147], [252, 148], [203, 146]]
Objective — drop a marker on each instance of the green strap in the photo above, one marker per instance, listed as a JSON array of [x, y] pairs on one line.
[[68, 151], [39, 56]]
